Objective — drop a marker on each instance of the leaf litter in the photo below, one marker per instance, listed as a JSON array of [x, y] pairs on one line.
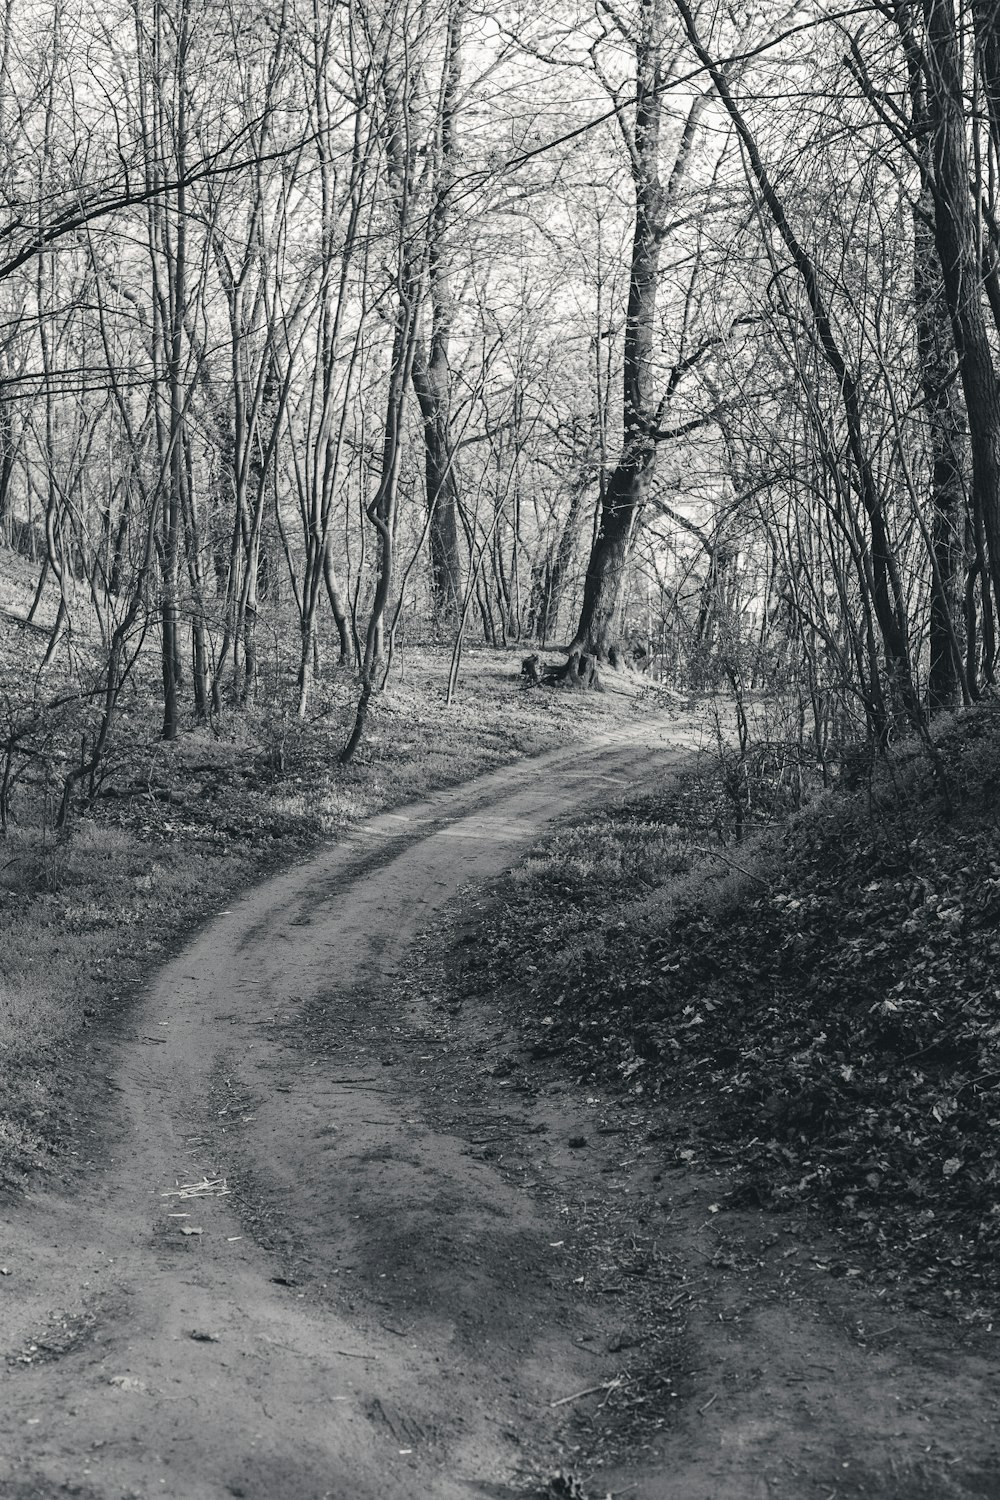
[[830, 1038]]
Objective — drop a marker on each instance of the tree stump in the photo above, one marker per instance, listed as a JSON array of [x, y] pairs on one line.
[[531, 669]]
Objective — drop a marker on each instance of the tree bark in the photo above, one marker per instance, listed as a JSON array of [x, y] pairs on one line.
[[431, 373], [599, 626], [956, 238], [432, 385], [411, 261], [946, 683]]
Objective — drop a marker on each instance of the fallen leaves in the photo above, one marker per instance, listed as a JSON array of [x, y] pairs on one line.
[[833, 1041]]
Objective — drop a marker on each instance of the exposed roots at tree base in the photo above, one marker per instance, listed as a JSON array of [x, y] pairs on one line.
[[580, 671]]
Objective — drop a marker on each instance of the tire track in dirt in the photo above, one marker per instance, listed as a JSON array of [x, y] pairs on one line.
[[186, 1324]]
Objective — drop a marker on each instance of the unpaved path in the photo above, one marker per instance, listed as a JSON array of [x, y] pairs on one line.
[[341, 1245]]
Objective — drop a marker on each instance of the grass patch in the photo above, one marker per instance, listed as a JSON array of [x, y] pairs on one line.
[[815, 1006]]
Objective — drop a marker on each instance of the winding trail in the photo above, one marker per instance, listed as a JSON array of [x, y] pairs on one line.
[[292, 1386], [343, 1243]]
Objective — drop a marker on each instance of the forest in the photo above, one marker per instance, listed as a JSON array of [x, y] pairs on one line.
[[499, 743], [654, 333]]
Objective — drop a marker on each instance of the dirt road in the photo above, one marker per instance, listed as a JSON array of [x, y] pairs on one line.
[[336, 1246]]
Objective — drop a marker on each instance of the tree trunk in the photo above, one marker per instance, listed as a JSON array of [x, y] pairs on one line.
[[946, 420], [956, 237], [381, 511], [880, 565], [599, 627], [431, 383], [431, 373], [559, 571], [336, 605], [8, 455], [599, 630]]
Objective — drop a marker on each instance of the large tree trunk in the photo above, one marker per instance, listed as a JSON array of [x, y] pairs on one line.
[[431, 382], [599, 627], [946, 684], [431, 373], [956, 237], [599, 631]]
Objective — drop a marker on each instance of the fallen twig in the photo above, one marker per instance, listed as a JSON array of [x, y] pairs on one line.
[[208, 1187], [592, 1390], [717, 854]]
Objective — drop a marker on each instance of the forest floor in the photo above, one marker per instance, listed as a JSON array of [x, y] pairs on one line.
[[359, 1214]]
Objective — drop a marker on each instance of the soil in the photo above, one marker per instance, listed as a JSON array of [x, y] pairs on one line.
[[338, 1238]]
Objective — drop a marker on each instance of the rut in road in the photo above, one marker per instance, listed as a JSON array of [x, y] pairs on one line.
[[329, 1254], [154, 1347]]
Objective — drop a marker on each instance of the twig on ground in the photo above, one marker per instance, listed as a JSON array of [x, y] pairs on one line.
[[592, 1390], [717, 854], [208, 1187]]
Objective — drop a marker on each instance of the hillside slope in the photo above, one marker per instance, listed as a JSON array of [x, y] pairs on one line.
[[816, 1007]]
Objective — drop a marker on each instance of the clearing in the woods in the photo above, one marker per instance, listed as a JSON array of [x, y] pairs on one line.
[[340, 1230]]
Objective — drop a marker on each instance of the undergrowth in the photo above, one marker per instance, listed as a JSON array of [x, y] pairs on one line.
[[816, 1005]]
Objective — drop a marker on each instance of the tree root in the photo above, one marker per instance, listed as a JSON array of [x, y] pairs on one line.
[[578, 672]]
